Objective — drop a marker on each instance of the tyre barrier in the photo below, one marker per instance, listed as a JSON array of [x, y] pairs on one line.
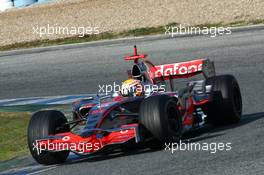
[[23, 3], [43, 1], [7, 4]]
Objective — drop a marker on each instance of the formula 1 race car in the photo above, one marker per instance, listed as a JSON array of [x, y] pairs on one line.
[[152, 116]]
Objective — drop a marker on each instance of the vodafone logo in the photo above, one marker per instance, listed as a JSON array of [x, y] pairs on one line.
[[178, 68]]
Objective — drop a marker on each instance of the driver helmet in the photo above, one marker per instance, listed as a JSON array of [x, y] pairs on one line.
[[132, 87], [140, 72]]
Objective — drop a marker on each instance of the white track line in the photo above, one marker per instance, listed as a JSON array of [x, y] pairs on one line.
[[43, 100], [43, 170]]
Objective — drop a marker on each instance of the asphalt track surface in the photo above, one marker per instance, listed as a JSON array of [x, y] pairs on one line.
[[80, 70]]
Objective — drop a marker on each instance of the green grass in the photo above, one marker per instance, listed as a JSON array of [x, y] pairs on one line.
[[13, 140], [114, 35], [13, 127]]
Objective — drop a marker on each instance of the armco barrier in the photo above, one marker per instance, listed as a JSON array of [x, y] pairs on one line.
[[5, 4], [22, 3]]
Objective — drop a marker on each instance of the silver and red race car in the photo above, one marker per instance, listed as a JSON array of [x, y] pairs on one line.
[[153, 117]]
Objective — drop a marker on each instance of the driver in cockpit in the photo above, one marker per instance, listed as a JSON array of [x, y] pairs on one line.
[[139, 82]]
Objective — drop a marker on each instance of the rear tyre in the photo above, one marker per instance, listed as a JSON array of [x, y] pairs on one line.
[[42, 124], [160, 116], [226, 102]]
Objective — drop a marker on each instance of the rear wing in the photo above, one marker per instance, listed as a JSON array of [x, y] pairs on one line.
[[182, 70]]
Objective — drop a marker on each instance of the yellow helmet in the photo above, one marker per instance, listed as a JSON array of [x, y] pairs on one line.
[[132, 87]]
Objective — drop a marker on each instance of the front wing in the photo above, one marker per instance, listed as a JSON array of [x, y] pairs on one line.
[[87, 145]]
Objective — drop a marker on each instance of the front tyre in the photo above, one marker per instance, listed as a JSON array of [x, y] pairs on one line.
[[42, 124], [160, 116], [226, 102]]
